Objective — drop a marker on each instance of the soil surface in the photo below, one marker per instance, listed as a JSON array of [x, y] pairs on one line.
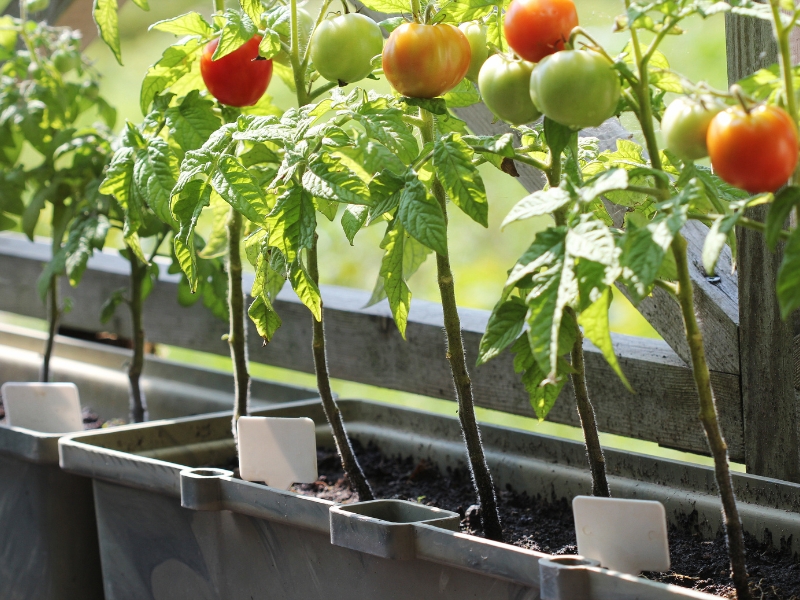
[[546, 524]]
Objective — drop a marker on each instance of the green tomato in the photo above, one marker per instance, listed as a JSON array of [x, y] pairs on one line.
[[685, 124], [475, 31], [36, 6], [577, 88], [64, 60], [505, 86], [342, 48], [91, 90]]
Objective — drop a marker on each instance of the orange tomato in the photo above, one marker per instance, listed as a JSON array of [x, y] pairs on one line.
[[755, 151], [537, 28], [426, 61]]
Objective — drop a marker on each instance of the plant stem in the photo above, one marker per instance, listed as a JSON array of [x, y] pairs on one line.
[[53, 315], [694, 337], [137, 402], [237, 335], [219, 6], [784, 59], [352, 468], [708, 417], [481, 477], [591, 437]]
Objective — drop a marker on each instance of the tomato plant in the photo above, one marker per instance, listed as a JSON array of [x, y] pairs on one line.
[[505, 87], [426, 61], [343, 47], [576, 88], [755, 150], [685, 125], [537, 28], [475, 32], [239, 78]]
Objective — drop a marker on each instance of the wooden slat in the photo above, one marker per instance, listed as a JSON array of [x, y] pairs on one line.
[[767, 358], [365, 346]]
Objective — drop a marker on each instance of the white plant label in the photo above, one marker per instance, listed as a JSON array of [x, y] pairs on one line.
[[43, 407], [629, 536], [277, 451]]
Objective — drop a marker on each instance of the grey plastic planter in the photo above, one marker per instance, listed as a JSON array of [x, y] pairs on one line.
[[48, 533], [172, 526]]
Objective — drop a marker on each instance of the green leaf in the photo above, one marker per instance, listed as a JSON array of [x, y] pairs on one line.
[[306, 289], [436, 106], [387, 6], [189, 24], [614, 179], [192, 122], [154, 178], [238, 30], [542, 395], [327, 178], [264, 317], [557, 136], [187, 205], [594, 321], [716, 238], [237, 187], [464, 94], [779, 212], [253, 9], [353, 220], [394, 282], [386, 125], [422, 216], [504, 326], [174, 64], [542, 202], [292, 223], [789, 276], [104, 13], [546, 246], [452, 161], [110, 306]]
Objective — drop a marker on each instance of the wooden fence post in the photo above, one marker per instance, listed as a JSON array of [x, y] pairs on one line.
[[767, 368]]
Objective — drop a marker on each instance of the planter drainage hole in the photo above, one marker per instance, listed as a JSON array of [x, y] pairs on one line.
[[571, 561], [207, 472]]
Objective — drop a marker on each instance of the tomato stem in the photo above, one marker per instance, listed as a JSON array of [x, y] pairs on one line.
[[237, 334], [738, 93], [219, 6], [416, 11], [456, 356], [137, 405], [53, 310]]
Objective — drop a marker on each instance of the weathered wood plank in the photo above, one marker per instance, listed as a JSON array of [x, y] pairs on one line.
[[365, 346], [771, 424]]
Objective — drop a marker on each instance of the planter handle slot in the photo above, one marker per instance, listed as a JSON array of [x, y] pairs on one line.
[[565, 577], [200, 488]]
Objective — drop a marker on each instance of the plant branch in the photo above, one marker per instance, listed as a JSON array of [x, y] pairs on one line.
[[314, 94], [320, 17], [237, 334], [529, 160], [137, 403], [456, 356]]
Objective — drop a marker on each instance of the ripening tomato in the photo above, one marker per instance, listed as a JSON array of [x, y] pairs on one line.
[[426, 61], [505, 87], [577, 88], [238, 78], [475, 32], [685, 125], [342, 48], [755, 151], [537, 28]]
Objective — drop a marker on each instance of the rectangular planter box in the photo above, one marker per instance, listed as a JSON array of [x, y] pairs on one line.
[[172, 527], [48, 533]]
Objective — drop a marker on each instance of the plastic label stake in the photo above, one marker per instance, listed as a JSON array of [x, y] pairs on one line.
[[277, 451], [43, 407], [629, 536]]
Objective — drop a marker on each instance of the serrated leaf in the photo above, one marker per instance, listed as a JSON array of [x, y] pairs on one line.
[[104, 13], [264, 317], [464, 94], [192, 122], [557, 136], [542, 202], [327, 178], [353, 219], [234, 183], [594, 321], [238, 30], [546, 246], [253, 9], [292, 223], [716, 238], [436, 106], [154, 178], [452, 161], [191, 23], [174, 64], [387, 6], [504, 327], [422, 216], [306, 289], [779, 212], [394, 283], [614, 179], [186, 207], [110, 306]]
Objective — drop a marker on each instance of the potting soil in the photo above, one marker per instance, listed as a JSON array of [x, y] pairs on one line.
[[546, 524]]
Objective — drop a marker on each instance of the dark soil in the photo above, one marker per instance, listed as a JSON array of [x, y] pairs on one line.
[[546, 524]]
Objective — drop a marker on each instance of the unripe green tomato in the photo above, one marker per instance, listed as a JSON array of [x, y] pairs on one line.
[[91, 90], [305, 23], [505, 86], [475, 32], [64, 60], [685, 125], [342, 48], [35, 6], [577, 88]]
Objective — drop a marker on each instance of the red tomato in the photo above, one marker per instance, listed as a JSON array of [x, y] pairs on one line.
[[237, 79], [537, 28], [755, 151], [426, 61]]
